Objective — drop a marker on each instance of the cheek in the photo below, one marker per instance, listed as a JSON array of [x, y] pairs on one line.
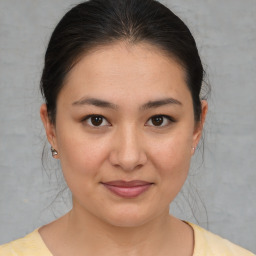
[[81, 155], [172, 155], [172, 165], [81, 161]]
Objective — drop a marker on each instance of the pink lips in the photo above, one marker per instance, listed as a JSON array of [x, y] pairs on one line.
[[127, 189]]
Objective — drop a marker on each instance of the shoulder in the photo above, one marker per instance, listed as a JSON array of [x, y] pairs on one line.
[[209, 244], [31, 244]]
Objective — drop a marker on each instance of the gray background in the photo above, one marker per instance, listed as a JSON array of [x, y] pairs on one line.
[[226, 181]]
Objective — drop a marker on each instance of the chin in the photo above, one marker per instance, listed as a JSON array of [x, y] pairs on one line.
[[127, 219]]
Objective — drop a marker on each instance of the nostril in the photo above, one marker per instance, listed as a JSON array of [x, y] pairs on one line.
[[127, 161], [128, 152]]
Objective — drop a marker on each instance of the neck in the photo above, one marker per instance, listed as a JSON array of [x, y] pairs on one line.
[[145, 239]]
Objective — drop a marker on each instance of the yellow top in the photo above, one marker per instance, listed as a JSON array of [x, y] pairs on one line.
[[206, 244]]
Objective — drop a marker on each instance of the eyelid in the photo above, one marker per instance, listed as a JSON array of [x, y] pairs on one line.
[[169, 118], [84, 119]]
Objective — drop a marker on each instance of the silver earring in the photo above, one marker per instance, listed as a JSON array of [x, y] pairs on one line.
[[54, 152], [194, 148]]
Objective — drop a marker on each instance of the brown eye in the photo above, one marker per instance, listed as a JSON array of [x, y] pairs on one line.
[[157, 120], [96, 121], [160, 121]]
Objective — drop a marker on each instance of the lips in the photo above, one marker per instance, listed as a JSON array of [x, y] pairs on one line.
[[127, 189]]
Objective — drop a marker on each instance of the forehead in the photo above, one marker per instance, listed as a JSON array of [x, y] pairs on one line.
[[140, 70]]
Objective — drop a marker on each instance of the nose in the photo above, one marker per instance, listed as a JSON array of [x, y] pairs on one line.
[[128, 152]]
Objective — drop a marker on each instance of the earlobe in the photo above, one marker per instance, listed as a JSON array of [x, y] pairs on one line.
[[48, 126], [199, 127]]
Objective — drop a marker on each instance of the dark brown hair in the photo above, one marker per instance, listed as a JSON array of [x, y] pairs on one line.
[[99, 22]]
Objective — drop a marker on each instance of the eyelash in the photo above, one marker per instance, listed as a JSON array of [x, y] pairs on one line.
[[169, 118], [85, 119]]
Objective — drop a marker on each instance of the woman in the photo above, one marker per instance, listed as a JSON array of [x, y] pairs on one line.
[[123, 114]]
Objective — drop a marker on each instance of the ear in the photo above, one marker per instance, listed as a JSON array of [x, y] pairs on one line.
[[48, 126], [199, 126]]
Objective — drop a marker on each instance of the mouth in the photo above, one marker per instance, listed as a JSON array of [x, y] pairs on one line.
[[127, 189]]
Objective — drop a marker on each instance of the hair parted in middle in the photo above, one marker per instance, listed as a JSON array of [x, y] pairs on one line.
[[97, 23]]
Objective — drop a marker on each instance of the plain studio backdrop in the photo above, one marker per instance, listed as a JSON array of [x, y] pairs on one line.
[[224, 184]]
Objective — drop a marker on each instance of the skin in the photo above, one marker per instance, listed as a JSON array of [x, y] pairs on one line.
[[126, 146]]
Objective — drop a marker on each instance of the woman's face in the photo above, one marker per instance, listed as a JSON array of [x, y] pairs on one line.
[[124, 114]]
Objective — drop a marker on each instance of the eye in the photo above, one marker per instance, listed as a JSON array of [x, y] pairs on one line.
[[160, 121], [96, 121]]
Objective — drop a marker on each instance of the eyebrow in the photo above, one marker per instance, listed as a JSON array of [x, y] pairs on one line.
[[95, 102], [159, 103], [105, 104]]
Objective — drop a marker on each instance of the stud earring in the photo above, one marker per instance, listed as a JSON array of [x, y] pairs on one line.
[[54, 152]]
